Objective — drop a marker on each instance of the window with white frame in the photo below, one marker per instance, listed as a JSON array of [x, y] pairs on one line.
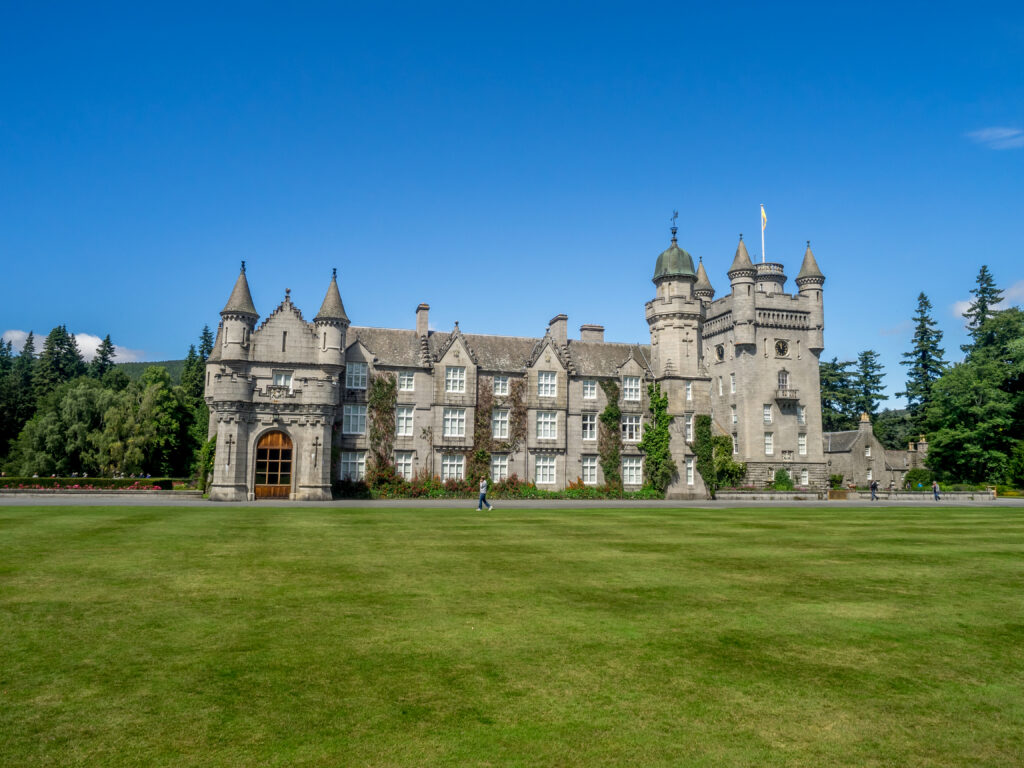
[[783, 379], [589, 422], [544, 467], [632, 470], [689, 390], [499, 467], [353, 465], [547, 425], [801, 444], [732, 383], [769, 443], [804, 477], [689, 426], [631, 388], [631, 428], [735, 418], [547, 384], [453, 422], [406, 381], [870, 478], [689, 470], [283, 379], [353, 420], [499, 423], [403, 464], [453, 466], [735, 443], [403, 421], [767, 413], [719, 386], [355, 376], [501, 385], [590, 470], [455, 378], [589, 389], [801, 414], [867, 451]]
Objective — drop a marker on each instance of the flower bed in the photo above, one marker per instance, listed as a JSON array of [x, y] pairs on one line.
[[426, 487], [87, 483]]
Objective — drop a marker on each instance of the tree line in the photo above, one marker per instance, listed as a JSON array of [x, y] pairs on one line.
[[60, 415], [971, 412]]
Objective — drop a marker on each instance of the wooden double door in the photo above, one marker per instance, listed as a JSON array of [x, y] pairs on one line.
[[273, 466]]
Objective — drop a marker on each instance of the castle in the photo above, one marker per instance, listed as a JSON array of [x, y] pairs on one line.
[[288, 399]]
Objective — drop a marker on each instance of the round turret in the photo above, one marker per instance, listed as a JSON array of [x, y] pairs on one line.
[[238, 318], [331, 323], [673, 262]]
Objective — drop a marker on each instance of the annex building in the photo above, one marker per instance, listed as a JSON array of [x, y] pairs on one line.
[[288, 397]]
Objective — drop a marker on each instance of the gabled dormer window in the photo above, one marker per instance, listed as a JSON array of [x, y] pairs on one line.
[[355, 376]]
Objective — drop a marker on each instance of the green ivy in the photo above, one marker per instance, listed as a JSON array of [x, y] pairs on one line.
[[659, 466], [380, 409], [204, 463], [609, 439], [704, 448]]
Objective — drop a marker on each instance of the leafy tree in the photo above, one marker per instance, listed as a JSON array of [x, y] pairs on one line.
[[727, 470], [205, 343], [659, 466], [782, 481], [867, 383], [982, 308], [838, 408], [894, 428], [17, 393], [103, 362], [925, 361], [609, 436], [60, 361]]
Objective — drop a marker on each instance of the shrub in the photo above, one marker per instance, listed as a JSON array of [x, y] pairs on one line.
[[920, 476], [835, 481], [782, 482]]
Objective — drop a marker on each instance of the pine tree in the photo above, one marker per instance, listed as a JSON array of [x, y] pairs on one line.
[[983, 307], [192, 377], [868, 383], [60, 361], [104, 359], [205, 343], [838, 411], [925, 361], [17, 394]]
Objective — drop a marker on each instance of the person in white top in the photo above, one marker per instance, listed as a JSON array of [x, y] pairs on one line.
[[483, 496]]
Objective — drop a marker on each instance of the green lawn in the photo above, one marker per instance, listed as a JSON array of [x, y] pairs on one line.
[[381, 637]]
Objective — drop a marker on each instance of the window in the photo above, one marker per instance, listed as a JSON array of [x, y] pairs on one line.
[[403, 464], [590, 470], [804, 477], [453, 466], [283, 379], [454, 422], [719, 386], [732, 383], [353, 465], [501, 385], [735, 418], [631, 429], [355, 376], [589, 421], [353, 420], [545, 470], [499, 423], [735, 443], [689, 426], [403, 421], [547, 425], [801, 414], [870, 478], [455, 378], [801, 444], [783, 379], [769, 443], [689, 470], [767, 413], [406, 381], [632, 470], [689, 390], [589, 389], [547, 384], [631, 388], [867, 451], [499, 467]]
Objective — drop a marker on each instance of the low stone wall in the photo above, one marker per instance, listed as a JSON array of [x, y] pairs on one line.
[[848, 495], [770, 496]]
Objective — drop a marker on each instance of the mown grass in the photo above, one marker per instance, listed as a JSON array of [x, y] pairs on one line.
[[397, 637]]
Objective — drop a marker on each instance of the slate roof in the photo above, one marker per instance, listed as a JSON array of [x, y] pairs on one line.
[[742, 259], [391, 346], [809, 267], [240, 301], [703, 284], [839, 442], [604, 358], [332, 308]]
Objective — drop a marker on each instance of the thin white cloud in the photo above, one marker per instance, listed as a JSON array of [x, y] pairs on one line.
[[998, 137], [87, 345], [897, 330], [1012, 296]]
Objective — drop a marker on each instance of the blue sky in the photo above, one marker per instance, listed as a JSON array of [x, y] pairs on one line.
[[503, 163]]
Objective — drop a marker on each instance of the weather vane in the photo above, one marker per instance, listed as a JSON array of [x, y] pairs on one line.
[[675, 215]]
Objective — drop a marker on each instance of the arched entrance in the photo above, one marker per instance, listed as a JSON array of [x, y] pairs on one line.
[[273, 466]]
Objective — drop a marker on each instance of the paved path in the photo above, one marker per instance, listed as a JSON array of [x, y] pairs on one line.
[[160, 500]]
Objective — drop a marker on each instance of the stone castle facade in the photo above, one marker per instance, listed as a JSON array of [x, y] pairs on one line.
[[288, 399]]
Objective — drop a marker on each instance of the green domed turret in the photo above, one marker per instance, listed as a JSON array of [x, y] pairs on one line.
[[673, 262]]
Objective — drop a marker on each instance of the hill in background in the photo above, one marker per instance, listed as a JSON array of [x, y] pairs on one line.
[[135, 370]]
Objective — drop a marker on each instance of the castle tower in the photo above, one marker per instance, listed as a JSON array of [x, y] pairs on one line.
[[741, 278], [331, 324], [702, 288], [810, 282], [674, 314], [238, 318]]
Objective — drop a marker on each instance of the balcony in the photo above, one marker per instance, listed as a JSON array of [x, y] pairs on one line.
[[787, 395]]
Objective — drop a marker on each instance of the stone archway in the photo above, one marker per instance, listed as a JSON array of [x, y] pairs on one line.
[[273, 477]]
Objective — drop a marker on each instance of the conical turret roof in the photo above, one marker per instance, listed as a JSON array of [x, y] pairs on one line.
[[332, 308], [240, 301], [809, 268], [673, 262], [742, 258], [702, 284]]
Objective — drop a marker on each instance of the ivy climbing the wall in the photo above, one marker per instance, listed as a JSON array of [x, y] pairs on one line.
[[714, 457], [659, 466], [609, 437], [381, 397]]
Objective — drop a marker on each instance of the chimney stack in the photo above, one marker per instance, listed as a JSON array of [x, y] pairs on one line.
[[422, 315], [591, 332], [559, 328]]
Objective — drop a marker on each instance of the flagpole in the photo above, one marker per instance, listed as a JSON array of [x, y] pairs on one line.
[[762, 233]]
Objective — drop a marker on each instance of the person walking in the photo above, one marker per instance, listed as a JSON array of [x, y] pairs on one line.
[[483, 497], [874, 490], [935, 490]]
